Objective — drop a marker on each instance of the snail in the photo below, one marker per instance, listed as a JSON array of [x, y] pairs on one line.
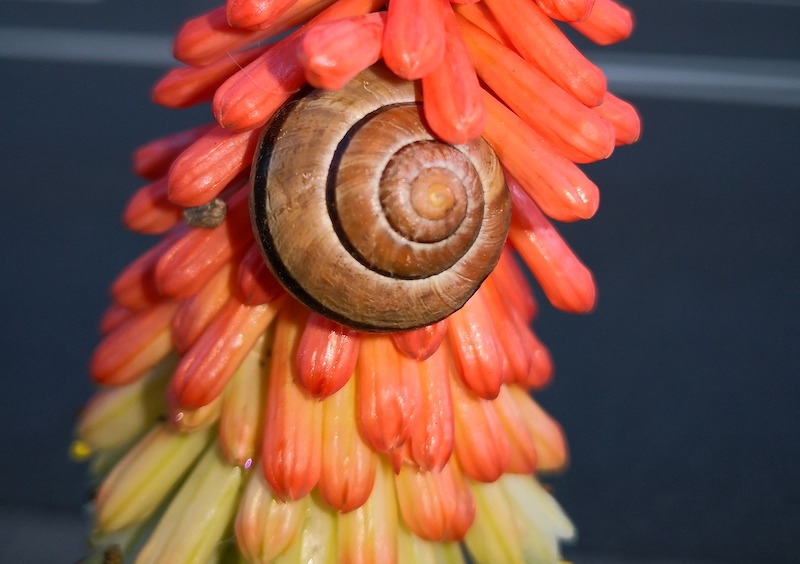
[[365, 217]]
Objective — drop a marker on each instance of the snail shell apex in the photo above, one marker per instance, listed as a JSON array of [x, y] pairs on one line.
[[365, 217]]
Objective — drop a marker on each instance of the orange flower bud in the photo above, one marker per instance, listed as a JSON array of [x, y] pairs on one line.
[[608, 22], [187, 265], [209, 165], [434, 434], [137, 344], [623, 116], [478, 356], [551, 446], [557, 186], [195, 313], [481, 445], [135, 287], [368, 535], [541, 43], [207, 366], [187, 86], [421, 343], [566, 282], [292, 447], [265, 525], [388, 393], [256, 283], [431, 503], [332, 54], [348, 464], [326, 356], [150, 211], [513, 285], [455, 119], [255, 13], [576, 131], [566, 10], [521, 442], [153, 159], [414, 40]]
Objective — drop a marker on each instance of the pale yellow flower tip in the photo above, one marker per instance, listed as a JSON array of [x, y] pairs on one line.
[[494, 536], [276, 532], [369, 534], [266, 526], [243, 408], [142, 479], [118, 544], [317, 541], [115, 416], [190, 419], [517, 521], [196, 520], [411, 548], [537, 506]]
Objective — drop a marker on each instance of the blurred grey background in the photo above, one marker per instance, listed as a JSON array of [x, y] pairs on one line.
[[679, 394]]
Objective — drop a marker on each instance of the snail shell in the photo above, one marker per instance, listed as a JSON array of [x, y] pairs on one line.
[[365, 217]]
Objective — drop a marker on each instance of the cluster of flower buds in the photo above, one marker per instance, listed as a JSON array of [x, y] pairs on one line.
[[232, 422]]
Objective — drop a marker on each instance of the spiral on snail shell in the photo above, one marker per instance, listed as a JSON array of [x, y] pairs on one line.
[[365, 217]]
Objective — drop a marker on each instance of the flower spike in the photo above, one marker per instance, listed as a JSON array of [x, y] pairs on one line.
[[231, 420]]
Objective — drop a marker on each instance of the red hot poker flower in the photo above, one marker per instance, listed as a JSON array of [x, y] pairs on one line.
[[338, 435]]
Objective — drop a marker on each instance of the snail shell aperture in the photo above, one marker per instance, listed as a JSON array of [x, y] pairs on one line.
[[368, 219]]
